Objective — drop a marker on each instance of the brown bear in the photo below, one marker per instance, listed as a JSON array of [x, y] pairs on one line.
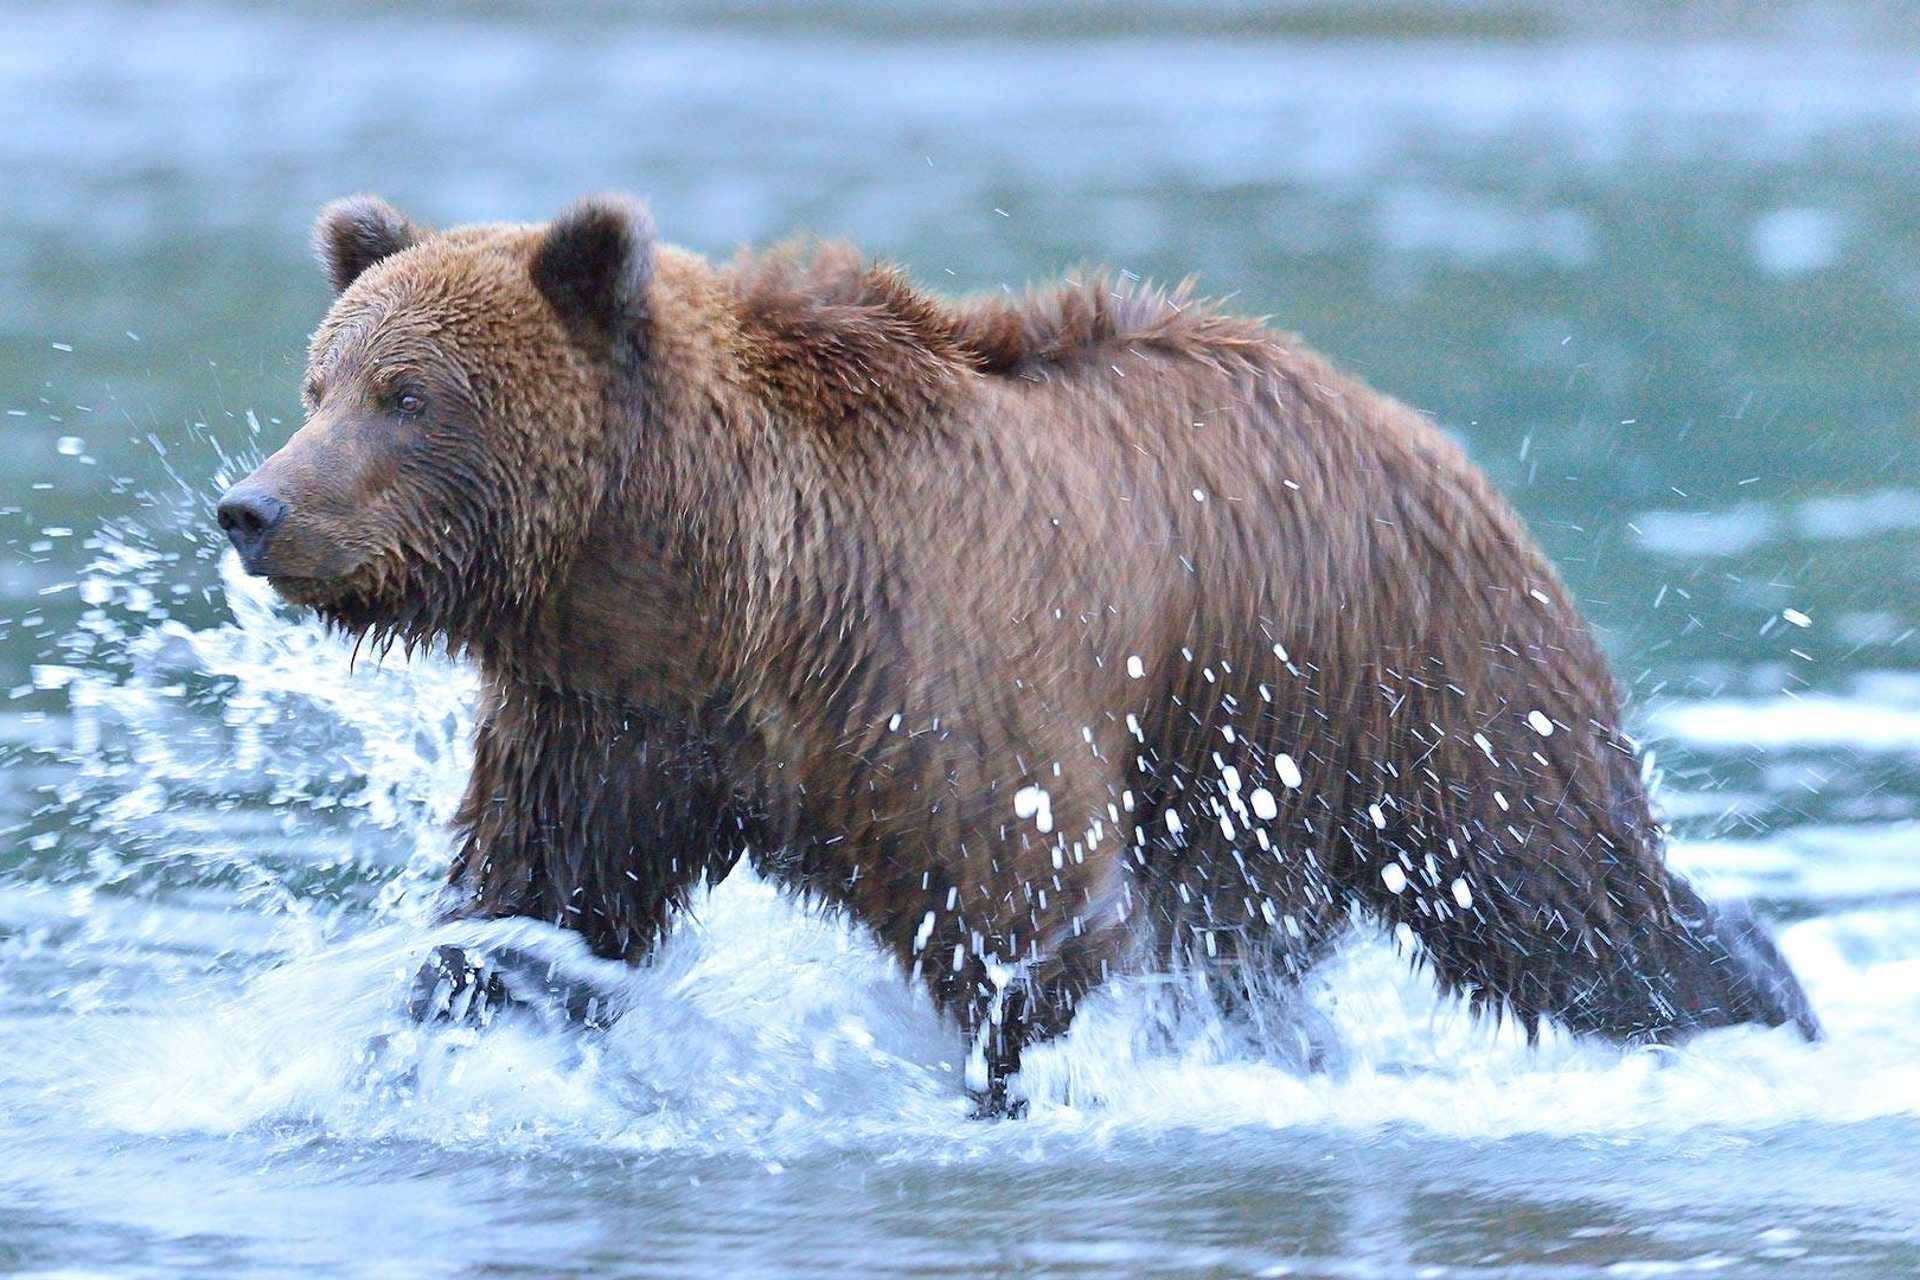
[[1052, 637]]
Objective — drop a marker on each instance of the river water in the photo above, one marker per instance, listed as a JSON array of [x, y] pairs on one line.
[[1659, 272]]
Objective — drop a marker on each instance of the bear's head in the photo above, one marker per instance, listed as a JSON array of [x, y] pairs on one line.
[[461, 397]]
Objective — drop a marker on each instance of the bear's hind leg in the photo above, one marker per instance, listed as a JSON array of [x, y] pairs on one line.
[[1252, 923], [1006, 1009], [1555, 900], [1715, 965]]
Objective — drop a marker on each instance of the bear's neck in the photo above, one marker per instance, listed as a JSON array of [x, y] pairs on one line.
[[735, 572], [665, 600]]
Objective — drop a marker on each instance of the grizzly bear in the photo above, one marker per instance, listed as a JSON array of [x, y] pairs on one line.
[[1092, 632]]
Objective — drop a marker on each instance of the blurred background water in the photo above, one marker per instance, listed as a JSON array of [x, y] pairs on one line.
[[1658, 267]]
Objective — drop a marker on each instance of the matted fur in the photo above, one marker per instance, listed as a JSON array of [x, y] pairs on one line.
[[1046, 636]]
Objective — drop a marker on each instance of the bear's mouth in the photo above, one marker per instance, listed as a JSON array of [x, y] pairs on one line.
[[365, 590], [328, 576], [311, 592]]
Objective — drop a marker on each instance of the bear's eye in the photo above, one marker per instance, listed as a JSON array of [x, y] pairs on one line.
[[313, 390], [410, 402]]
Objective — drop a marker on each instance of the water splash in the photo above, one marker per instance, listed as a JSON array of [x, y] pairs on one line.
[[256, 753]]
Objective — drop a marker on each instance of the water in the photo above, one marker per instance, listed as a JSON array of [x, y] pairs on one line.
[[1659, 274]]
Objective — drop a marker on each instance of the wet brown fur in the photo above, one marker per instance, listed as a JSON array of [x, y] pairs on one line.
[[800, 559]]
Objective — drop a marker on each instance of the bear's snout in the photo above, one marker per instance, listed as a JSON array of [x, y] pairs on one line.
[[250, 514], [303, 514]]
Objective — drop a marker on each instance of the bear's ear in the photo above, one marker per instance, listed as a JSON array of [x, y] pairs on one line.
[[594, 266], [351, 235]]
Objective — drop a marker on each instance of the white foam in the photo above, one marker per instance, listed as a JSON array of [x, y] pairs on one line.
[[1884, 717], [1735, 530], [767, 1030]]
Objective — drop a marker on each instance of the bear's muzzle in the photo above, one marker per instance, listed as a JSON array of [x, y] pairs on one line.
[[249, 515]]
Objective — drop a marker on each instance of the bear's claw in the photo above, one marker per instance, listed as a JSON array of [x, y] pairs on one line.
[[467, 988], [997, 1102], [452, 987]]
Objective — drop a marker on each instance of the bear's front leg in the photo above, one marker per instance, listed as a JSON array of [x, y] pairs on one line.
[[595, 818]]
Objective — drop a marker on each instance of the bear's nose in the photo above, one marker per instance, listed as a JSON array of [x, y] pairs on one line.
[[249, 515]]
